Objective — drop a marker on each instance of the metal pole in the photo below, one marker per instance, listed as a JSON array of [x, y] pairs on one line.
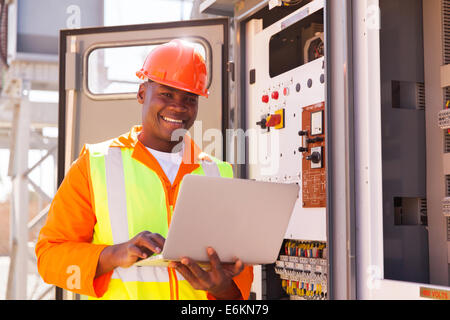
[[368, 151], [340, 146], [12, 265], [21, 197]]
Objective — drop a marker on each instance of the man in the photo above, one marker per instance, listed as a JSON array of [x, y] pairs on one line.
[[115, 204]]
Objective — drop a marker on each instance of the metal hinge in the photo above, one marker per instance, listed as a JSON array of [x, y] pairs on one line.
[[230, 69]]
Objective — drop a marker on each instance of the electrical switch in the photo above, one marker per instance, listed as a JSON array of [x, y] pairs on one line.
[[265, 98], [315, 157], [276, 120], [286, 91], [262, 124], [273, 120]]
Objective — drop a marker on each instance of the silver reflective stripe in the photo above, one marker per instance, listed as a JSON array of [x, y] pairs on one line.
[[117, 202], [117, 206], [141, 274], [211, 169]]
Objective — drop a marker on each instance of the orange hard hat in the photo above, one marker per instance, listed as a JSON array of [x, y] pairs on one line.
[[176, 64]]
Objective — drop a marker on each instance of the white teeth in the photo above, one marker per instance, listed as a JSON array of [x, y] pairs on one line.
[[172, 120]]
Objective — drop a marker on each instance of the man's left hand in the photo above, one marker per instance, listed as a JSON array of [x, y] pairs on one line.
[[218, 281]]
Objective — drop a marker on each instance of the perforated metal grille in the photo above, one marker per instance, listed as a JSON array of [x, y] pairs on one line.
[[447, 185], [420, 98], [446, 134], [448, 229], [446, 141], [423, 212], [446, 30], [446, 95]]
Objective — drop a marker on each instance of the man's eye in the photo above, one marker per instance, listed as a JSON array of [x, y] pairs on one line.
[[192, 99], [166, 94]]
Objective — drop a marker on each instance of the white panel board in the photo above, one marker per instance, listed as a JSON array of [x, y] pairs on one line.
[[274, 155]]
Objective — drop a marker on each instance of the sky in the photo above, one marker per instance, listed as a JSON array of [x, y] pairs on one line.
[[123, 12]]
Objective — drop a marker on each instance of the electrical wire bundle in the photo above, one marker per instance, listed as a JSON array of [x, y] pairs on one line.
[[305, 249]]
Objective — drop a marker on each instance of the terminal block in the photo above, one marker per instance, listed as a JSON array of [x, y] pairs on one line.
[[444, 119], [304, 270], [446, 206]]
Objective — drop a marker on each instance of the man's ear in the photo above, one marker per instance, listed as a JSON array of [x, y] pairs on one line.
[[141, 93]]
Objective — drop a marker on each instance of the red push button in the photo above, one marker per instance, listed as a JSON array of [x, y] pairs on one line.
[[275, 95], [286, 91], [265, 99]]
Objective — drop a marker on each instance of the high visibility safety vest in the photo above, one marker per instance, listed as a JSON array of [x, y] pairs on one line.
[[129, 198]]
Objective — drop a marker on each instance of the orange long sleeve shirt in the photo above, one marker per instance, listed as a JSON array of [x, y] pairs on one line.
[[65, 255]]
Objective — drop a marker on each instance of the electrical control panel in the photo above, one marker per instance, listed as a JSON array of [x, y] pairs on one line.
[[286, 112], [313, 163], [303, 268], [285, 91]]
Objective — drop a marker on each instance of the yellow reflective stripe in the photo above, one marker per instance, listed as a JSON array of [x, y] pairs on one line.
[[199, 171], [102, 229], [226, 170], [186, 292], [135, 290], [145, 197]]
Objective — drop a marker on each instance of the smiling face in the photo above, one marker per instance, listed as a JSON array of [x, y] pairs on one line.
[[164, 110]]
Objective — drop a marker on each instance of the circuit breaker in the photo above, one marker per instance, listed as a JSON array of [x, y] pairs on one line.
[[286, 116]]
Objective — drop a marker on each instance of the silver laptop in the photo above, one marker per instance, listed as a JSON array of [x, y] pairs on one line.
[[238, 218]]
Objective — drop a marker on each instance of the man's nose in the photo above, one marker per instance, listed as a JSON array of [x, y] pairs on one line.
[[178, 106]]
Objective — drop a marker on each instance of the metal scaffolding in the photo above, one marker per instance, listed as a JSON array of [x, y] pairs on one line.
[[22, 121]]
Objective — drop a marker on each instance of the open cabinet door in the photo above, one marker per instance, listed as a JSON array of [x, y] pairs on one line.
[[98, 85]]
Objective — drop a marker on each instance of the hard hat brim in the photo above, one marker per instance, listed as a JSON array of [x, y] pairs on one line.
[[141, 75]]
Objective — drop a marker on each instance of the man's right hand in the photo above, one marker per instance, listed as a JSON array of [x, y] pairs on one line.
[[126, 254]]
